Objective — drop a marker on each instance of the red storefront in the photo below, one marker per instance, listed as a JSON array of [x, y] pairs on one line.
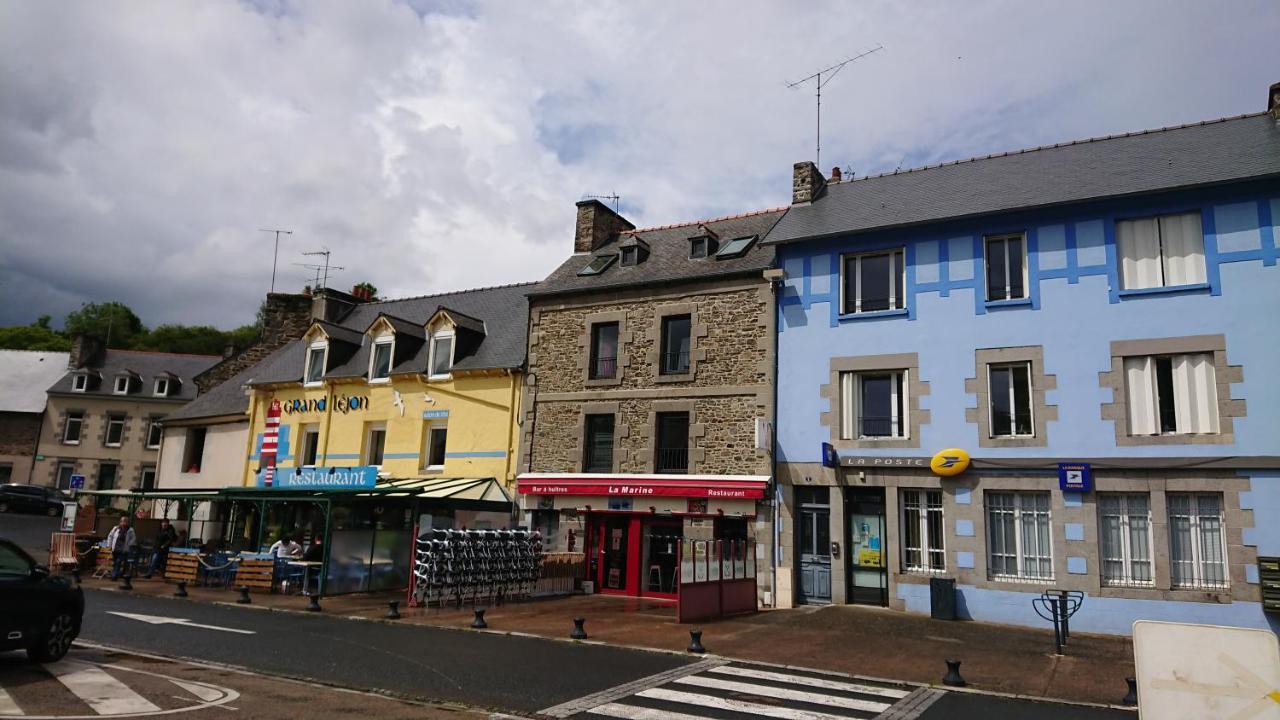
[[631, 526]]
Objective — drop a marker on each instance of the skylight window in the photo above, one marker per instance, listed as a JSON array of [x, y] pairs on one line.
[[598, 265], [736, 247]]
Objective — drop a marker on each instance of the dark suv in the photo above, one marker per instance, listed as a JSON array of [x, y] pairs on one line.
[[30, 498], [42, 612]]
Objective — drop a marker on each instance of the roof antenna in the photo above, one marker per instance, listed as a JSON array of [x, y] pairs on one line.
[[276, 255], [322, 281], [615, 197], [819, 82]]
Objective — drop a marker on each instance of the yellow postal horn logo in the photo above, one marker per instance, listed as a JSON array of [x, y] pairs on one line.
[[951, 461]]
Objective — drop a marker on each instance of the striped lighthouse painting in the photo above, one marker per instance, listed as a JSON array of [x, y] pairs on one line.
[[270, 443]]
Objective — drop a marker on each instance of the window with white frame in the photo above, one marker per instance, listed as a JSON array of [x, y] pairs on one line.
[[115, 431], [1009, 392], [922, 531], [375, 443], [153, 434], [310, 444], [874, 405], [1006, 267], [437, 436], [1018, 536], [1164, 251], [147, 478], [122, 385], [1197, 548], [441, 353], [65, 471], [161, 388], [1124, 526], [316, 354], [380, 360], [72, 429], [79, 382], [1171, 394], [873, 282]]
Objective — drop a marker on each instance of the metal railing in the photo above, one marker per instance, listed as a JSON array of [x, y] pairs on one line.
[[604, 368], [871, 426], [675, 363], [672, 460]]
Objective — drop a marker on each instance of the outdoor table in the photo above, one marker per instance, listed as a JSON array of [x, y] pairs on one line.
[[306, 566]]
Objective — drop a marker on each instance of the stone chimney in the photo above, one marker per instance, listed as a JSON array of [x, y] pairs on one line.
[[1273, 100], [597, 223], [835, 174], [285, 318], [85, 350], [331, 305], [806, 183]]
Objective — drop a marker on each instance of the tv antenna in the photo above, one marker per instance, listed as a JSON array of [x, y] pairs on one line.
[[322, 271], [615, 197], [276, 254], [819, 82]]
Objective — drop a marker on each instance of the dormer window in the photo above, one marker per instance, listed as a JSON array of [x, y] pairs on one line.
[[441, 361], [79, 382], [630, 256], [380, 360], [316, 355], [122, 385], [162, 387], [736, 248]]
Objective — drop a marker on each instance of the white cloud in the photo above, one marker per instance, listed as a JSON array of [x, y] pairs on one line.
[[441, 145]]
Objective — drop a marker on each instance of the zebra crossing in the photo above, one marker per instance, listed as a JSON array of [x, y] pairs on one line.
[[721, 689], [78, 689]]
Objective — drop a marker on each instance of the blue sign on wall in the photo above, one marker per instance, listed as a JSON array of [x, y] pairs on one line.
[[77, 482], [435, 414], [829, 457], [1075, 477], [359, 477]]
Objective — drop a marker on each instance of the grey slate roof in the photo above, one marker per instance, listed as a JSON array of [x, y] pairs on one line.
[[146, 365], [1208, 153], [668, 259], [504, 310], [226, 398], [24, 377]]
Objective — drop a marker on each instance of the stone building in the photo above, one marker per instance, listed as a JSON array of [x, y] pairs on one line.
[[648, 403], [24, 377]]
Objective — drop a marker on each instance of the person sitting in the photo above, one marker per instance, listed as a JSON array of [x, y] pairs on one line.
[[315, 551], [165, 539], [285, 549]]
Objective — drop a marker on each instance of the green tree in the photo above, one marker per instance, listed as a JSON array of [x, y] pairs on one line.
[[112, 320], [192, 339], [36, 336]]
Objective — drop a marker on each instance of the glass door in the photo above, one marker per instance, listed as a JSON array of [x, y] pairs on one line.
[[659, 546], [614, 542], [813, 530], [868, 571]]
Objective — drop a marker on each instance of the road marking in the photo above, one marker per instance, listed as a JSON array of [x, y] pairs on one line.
[[813, 682], [573, 707], [161, 620], [99, 690], [739, 706], [204, 692], [7, 704], [629, 712], [783, 694]]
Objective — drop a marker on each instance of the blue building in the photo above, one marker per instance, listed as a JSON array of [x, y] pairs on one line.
[[1108, 305]]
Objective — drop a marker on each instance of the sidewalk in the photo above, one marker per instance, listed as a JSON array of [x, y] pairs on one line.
[[872, 642]]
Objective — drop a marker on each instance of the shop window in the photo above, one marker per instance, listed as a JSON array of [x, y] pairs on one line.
[[72, 429], [922, 531], [1197, 552], [375, 442], [380, 362], [154, 433], [1171, 394], [873, 282], [672, 448], [1124, 526], [1164, 251], [1006, 267], [1009, 390], [1018, 536], [597, 456], [310, 445], [675, 344], [437, 439], [316, 355], [115, 431], [604, 351], [441, 354], [874, 405], [193, 450]]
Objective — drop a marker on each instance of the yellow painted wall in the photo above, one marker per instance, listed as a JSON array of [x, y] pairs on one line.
[[481, 424]]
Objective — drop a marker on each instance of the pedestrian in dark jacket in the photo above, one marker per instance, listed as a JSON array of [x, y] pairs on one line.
[[164, 540]]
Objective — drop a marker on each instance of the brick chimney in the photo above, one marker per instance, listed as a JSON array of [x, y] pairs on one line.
[[835, 174], [331, 305], [1273, 100], [806, 183], [597, 223], [85, 350]]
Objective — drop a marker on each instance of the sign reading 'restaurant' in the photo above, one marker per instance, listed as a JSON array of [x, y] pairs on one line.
[[359, 477]]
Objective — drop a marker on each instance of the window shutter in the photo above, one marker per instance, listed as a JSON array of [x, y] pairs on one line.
[[1195, 393], [1182, 240], [1139, 374], [846, 406], [1139, 242]]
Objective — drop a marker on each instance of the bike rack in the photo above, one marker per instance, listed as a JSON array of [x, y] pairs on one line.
[[1057, 606]]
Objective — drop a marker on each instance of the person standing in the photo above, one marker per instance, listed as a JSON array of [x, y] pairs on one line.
[[164, 540], [121, 540]]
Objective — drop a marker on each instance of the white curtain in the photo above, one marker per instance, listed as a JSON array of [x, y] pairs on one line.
[[1182, 242], [1139, 242], [1140, 381], [1195, 393]]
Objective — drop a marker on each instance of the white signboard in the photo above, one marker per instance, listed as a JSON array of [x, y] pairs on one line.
[[68, 517], [1206, 671]]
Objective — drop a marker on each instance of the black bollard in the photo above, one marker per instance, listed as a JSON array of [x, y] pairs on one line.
[[244, 598], [75, 572], [952, 678], [479, 623], [126, 583], [393, 610], [578, 632], [1131, 697], [695, 642], [182, 589], [313, 603]]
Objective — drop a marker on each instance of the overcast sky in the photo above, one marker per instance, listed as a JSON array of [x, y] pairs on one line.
[[436, 146]]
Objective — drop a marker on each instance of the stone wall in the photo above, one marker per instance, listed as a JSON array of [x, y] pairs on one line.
[[285, 318], [18, 433]]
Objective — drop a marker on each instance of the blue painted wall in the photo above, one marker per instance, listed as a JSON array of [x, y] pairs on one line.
[[1074, 310]]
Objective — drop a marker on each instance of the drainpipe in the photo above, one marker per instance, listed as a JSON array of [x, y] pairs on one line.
[[775, 277]]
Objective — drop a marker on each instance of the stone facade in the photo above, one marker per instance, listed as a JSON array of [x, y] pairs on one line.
[[18, 435], [285, 318]]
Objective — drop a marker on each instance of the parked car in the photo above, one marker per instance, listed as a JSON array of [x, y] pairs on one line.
[[31, 498], [42, 612]]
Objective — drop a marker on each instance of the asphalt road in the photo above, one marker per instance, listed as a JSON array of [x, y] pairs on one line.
[[31, 532], [967, 706], [479, 669]]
